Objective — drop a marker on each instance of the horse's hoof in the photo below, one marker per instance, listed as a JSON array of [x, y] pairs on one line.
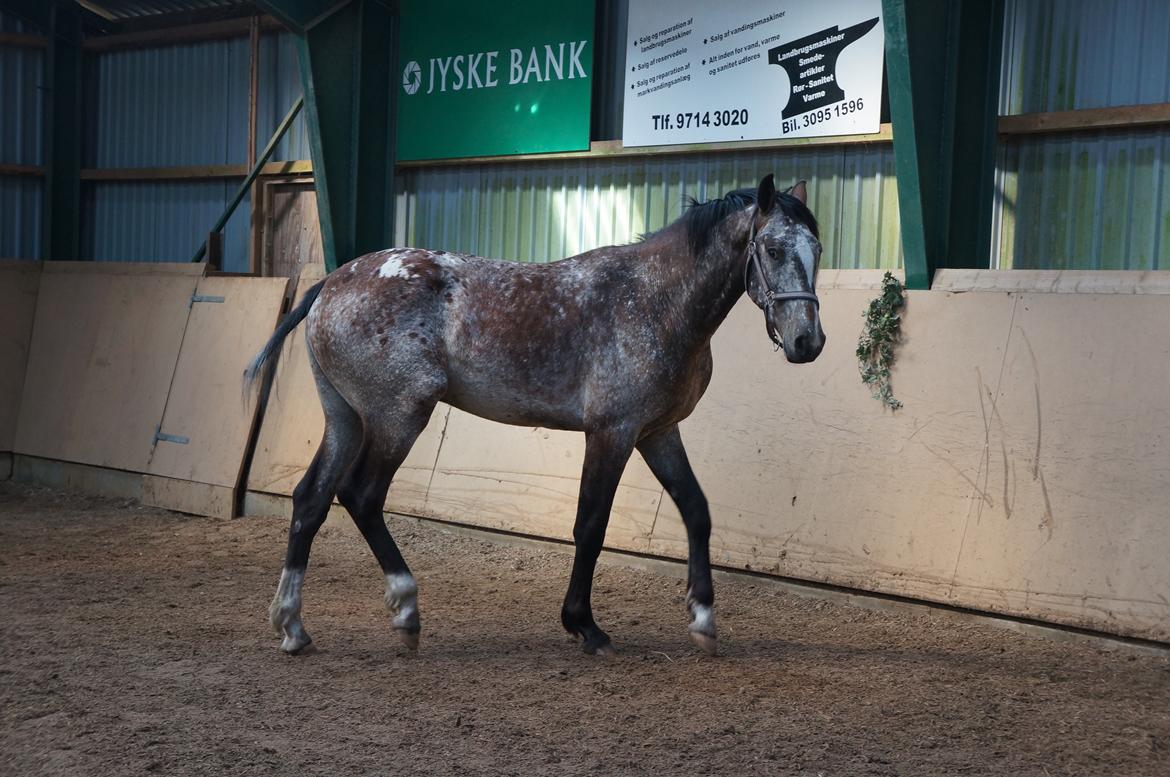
[[706, 643], [298, 647], [605, 648], [410, 639]]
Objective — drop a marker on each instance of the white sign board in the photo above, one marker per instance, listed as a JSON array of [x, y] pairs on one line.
[[702, 72]]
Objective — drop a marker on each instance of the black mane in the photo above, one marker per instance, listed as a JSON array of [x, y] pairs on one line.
[[701, 218]]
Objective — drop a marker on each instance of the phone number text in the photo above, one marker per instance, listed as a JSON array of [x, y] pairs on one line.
[[731, 117]]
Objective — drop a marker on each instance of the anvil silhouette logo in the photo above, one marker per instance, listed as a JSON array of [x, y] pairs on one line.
[[811, 64]]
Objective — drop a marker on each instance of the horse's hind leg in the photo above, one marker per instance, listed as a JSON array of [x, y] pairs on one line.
[[363, 493], [667, 458], [311, 500]]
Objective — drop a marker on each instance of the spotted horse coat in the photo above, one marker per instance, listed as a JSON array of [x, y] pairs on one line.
[[614, 342]]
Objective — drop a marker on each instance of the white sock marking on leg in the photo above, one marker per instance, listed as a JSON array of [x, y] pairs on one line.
[[287, 601], [402, 599], [704, 621]]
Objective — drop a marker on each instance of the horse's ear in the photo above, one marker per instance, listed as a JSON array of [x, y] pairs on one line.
[[766, 195], [799, 192]]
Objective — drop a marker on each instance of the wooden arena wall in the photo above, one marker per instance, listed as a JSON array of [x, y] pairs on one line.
[[1027, 473], [18, 298], [136, 368]]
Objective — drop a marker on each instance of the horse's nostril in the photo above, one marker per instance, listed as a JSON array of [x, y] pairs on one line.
[[800, 343]]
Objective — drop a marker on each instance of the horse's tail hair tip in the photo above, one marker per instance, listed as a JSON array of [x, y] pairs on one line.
[[263, 365]]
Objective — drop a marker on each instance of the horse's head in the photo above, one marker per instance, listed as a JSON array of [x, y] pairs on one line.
[[780, 276]]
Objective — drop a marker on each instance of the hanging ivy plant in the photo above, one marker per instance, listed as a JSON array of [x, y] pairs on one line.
[[875, 347]]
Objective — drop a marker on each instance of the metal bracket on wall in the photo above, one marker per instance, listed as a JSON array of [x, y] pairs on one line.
[[203, 298], [160, 435]]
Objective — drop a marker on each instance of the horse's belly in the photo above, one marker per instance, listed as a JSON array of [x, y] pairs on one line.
[[508, 405]]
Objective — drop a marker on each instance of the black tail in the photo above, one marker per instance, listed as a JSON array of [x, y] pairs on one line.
[[264, 365]]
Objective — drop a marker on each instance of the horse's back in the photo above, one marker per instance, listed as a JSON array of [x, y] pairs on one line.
[[505, 336], [551, 345]]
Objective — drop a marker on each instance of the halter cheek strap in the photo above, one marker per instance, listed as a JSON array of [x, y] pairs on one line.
[[771, 296]]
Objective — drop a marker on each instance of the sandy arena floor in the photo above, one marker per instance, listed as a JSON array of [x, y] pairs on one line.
[[134, 640]]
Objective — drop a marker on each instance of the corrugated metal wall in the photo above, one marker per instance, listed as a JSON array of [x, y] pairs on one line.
[[22, 74], [1087, 200], [166, 107], [160, 221], [538, 212], [280, 86], [180, 106], [1096, 199], [174, 106], [1063, 55]]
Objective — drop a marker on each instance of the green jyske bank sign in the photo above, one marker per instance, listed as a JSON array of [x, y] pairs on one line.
[[485, 79]]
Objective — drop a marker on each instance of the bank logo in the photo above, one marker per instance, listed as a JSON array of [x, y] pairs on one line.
[[411, 77]]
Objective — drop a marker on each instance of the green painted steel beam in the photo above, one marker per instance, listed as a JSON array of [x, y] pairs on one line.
[[301, 15], [345, 51], [63, 113], [942, 63]]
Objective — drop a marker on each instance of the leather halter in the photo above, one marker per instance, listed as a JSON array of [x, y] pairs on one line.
[[771, 296]]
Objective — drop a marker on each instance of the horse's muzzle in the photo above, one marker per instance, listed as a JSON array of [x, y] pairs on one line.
[[805, 346]]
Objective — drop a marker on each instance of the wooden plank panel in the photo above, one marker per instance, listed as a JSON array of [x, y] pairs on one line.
[[69, 476], [104, 345], [613, 149], [34, 171], [23, 40], [525, 480], [1078, 458], [944, 500], [186, 496], [206, 404], [195, 172], [1055, 281], [292, 243], [18, 300], [1085, 119]]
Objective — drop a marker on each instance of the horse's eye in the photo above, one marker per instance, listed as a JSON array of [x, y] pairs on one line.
[[772, 252]]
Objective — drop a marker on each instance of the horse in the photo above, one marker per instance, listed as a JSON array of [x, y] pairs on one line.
[[614, 342]]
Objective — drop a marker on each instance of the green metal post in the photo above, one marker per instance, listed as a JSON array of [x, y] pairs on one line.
[[942, 62], [345, 52], [62, 209]]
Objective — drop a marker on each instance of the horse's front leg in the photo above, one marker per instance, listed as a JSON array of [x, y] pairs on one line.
[[667, 458], [606, 454]]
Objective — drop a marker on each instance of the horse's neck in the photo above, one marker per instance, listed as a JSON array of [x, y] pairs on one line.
[[717, 281]]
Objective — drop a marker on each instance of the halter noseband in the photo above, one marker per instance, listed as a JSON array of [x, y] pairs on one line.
[[771, 297]]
